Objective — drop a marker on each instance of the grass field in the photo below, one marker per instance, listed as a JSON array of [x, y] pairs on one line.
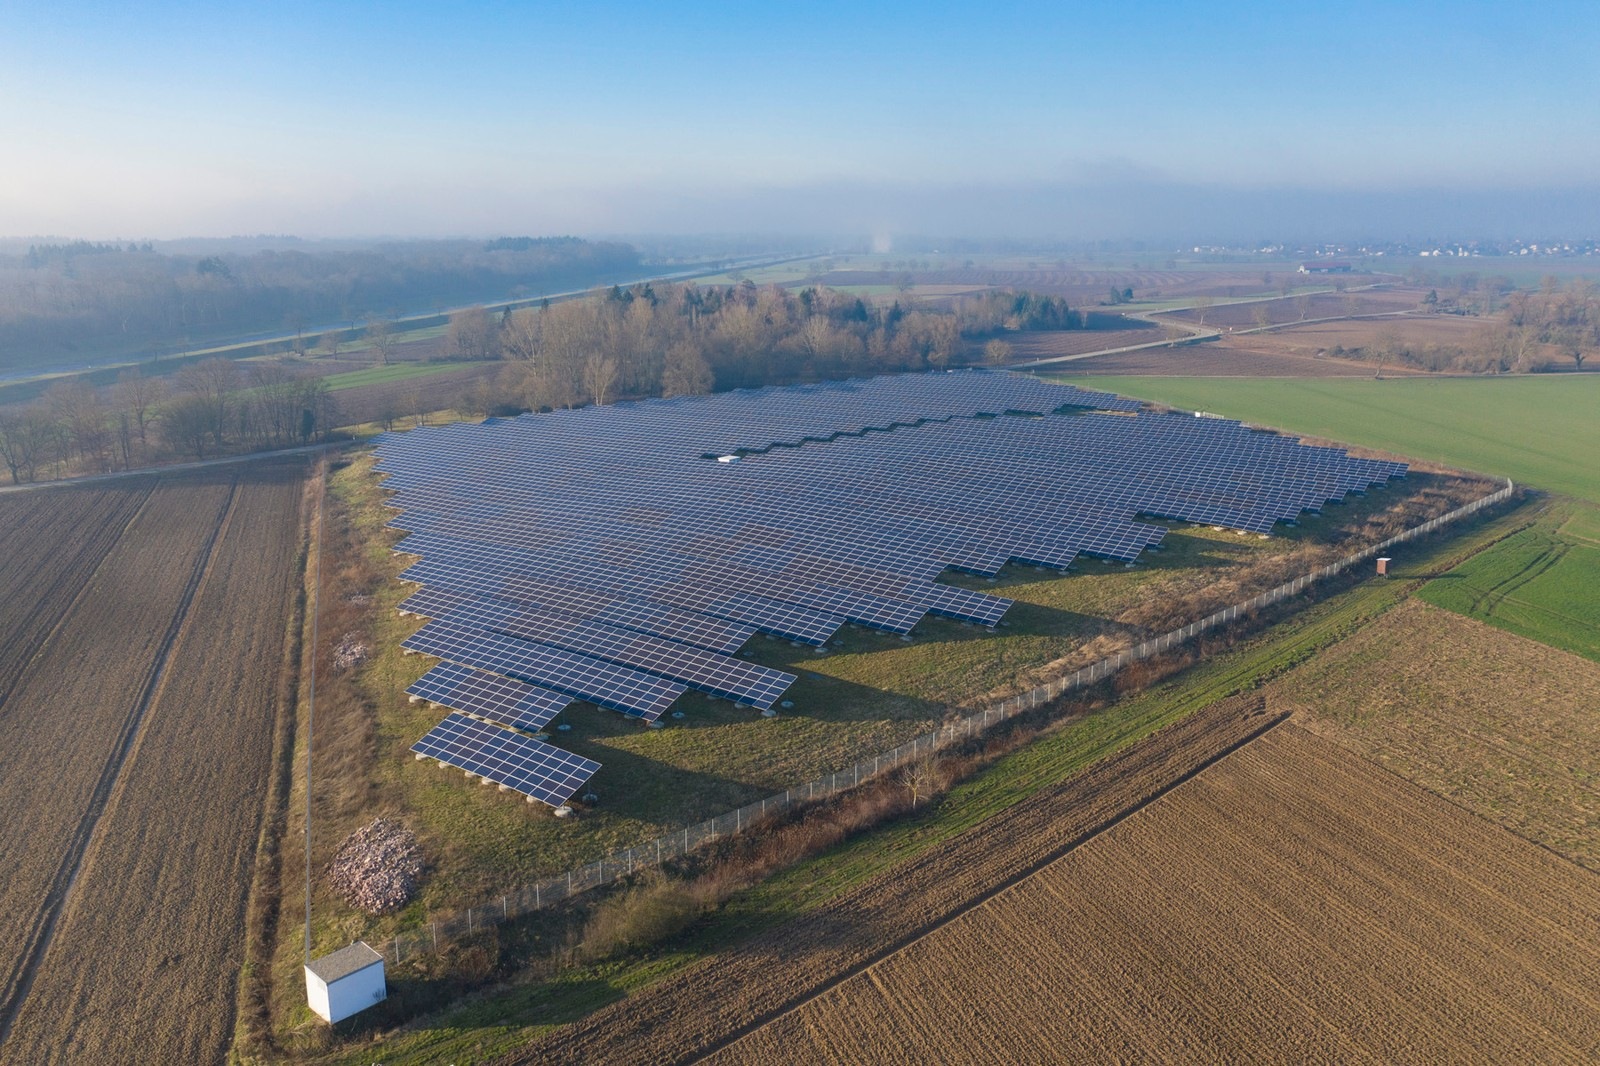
[[383, 375], [1539, 430], [1543, 583]]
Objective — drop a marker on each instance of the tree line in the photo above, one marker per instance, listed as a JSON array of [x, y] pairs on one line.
[[675, 340], [82, 300], [208, 409], [1556, 323]]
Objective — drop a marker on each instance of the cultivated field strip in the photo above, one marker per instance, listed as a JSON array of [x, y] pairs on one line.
[[67, 717], [1291, 903], [141, 762], [37, 589], [713, 1004]]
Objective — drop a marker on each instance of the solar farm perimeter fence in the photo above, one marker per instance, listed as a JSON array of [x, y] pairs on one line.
[[448, 927]]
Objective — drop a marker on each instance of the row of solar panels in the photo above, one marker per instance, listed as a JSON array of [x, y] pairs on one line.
[[597, 555]]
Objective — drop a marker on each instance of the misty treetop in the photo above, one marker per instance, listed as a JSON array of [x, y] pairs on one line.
[[81, 300]]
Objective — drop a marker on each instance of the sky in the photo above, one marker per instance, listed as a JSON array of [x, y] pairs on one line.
[[1204, 121]]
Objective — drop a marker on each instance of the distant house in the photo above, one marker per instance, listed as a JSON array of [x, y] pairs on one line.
[[1326, 266]]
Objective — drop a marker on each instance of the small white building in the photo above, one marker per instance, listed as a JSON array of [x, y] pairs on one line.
[[345, 982]]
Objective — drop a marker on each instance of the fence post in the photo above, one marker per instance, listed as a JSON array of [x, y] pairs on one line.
[[435, 926]]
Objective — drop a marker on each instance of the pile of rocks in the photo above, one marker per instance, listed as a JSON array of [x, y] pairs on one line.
[[377, 868], [350, 652]]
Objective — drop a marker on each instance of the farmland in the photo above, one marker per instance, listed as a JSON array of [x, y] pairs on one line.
[[1543, 583], [1537, 429], [1428, 694], [145, 676], [1291, 902]]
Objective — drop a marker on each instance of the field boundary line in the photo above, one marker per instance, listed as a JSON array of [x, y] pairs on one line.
[[448, 926], [1009, 882], [56, 900], [77, 597]]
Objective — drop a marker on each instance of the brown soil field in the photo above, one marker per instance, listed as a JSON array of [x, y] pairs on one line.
[[1082, 287], [136, 746], [1292, 903], [1052, 343], [1318, 305], [1499, 724], [1245, 357], [707, 1006], [1414, 330]]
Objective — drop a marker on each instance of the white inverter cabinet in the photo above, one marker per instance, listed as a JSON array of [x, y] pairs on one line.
[[345, 982]]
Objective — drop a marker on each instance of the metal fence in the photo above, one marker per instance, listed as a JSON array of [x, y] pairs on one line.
[[441, 929]]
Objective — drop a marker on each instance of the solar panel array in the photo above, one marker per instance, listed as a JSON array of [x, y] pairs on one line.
[[607, 555]]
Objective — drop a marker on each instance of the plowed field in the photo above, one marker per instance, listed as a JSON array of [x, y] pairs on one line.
[[136, 734], [1290, 903], [703, 1008]]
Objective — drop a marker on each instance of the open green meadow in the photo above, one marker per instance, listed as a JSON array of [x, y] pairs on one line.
[[383, 375], [1540, 430], [1542, 583]]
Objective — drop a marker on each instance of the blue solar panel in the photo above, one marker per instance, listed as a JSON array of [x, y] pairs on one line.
[[531, 767], [603, 554]]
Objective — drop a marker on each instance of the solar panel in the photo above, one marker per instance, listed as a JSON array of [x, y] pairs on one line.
[[602, 554], [538, 770], [489, 695]]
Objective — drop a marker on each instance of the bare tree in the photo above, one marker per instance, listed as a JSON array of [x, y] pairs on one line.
[[1261, 316], [997, 352], [473, 334], [135, 398], [918, 778], [331, 342], [211, 381], [25, 439], [1203, 305], [685, 372], [599, 376], [379, 333]]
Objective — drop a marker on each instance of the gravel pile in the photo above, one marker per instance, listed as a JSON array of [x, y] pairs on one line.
[[350, 652], [377, 868]]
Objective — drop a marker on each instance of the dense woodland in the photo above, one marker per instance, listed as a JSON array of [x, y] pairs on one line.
[[674, 340], [76, 301]]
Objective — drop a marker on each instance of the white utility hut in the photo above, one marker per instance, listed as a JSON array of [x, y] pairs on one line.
[[348, 981]]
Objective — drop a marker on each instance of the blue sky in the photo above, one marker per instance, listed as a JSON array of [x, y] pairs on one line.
[[168, 119]]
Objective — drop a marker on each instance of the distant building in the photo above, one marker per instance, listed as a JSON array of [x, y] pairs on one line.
[[1326, 266]]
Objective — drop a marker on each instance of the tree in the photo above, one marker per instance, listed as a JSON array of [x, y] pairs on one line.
[[685, 372], [918, 778], [473, 334], [25, 439], [379, 333], [1261, 316], [212, 382], [997, 353], [332, 341], [1203, 305], [599, 376], [187, 423], [135, 398], [1302, 304]]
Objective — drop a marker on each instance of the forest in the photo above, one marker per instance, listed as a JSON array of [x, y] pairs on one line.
[[674, 340], [61, 304]]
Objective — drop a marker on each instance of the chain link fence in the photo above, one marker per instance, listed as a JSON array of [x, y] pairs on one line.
[[444, 928]]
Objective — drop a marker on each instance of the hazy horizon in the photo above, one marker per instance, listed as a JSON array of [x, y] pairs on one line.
[[1150, 121]]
